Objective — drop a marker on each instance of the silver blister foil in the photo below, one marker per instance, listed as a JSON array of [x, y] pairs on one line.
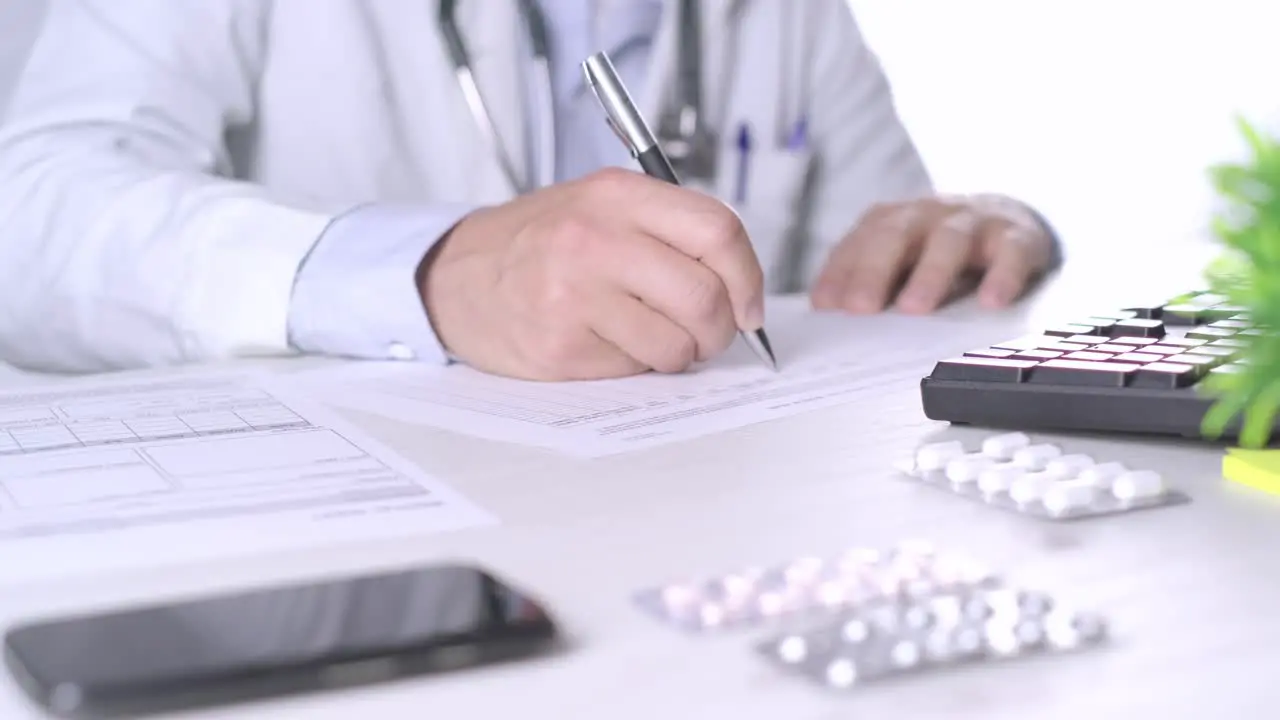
[[895, 638], [809, 586]]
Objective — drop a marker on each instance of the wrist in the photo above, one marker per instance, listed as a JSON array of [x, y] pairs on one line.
[[443, 282]]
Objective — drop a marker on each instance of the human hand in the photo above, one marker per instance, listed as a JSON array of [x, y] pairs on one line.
[[611, 275], [933, 244]]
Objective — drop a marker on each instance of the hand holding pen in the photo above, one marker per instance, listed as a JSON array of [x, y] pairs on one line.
[[630, 127], [608, 275]]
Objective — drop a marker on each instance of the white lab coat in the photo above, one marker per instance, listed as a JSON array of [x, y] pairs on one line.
[[166, 166]]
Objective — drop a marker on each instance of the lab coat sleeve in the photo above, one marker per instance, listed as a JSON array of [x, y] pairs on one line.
[[121, 242], [357, 293], [864, 154]]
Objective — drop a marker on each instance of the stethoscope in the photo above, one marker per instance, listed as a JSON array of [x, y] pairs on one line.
[[683, 129], [545, 99]]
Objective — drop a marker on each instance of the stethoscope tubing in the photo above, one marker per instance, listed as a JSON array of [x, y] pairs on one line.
[[479, 110], [689, 102]]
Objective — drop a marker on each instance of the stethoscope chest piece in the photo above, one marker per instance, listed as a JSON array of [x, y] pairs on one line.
[[683, 130], [693, 151]]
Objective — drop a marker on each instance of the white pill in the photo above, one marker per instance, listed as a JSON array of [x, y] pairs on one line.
[[1002, 447], [1035, 457], [1137, 485], [998, 478], [1031, 487], [793, 650], [1069, 495], [935, 456], [1068, 466], [905, 654], [1102, 474], [965, 469]]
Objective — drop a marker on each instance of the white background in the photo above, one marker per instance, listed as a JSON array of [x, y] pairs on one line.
[[1103, 113]]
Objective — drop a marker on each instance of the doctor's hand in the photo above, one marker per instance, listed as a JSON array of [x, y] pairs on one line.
[[925, 250], [608, 276]]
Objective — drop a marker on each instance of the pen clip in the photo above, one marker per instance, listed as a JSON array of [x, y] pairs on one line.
[[609, 117], [621, 112]]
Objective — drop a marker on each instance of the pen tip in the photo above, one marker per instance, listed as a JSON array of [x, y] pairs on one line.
[[759, 342]]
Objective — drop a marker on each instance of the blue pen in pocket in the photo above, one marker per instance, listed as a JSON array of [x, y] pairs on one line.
[[798, 138], [744, 163]]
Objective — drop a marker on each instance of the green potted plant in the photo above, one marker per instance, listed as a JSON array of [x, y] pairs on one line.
[[1248, 273]]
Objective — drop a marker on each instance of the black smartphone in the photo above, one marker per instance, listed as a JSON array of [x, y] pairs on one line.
[[264, 643]]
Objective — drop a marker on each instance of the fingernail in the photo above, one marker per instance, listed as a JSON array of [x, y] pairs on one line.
[[996, 296], [863, 302], [912, 303], [755, 313]]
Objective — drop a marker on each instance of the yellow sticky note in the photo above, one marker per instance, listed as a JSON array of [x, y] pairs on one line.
[[1259, 469]]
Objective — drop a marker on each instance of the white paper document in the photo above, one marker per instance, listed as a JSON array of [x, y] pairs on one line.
[[108, 475], [824, 359]]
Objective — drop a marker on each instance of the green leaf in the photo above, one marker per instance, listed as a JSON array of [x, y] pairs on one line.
[[1261, 413], [1228, 406], [1247, 226]]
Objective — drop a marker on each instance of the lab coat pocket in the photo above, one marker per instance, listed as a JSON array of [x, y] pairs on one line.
[[771, 198]]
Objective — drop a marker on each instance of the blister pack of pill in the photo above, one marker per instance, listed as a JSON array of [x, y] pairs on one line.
[[1012, 471], [810, 586], [896, 638]]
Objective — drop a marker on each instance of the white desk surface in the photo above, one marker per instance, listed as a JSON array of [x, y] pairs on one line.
[[1188, 590]]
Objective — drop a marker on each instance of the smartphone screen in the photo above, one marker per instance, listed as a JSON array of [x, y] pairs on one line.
[[269, 642]]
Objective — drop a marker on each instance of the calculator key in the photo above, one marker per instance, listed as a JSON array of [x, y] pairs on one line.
[[1231, 324], [975, 369], [1082, 372], [1100, 326], [1166, 376], [1185, 314], [1138, 357], [1162, 349], [1111, 348], [1087, 355], [1134, 340], [1063, 347], [1227, 369], [1252, 332], [1231, 312], [1037, 355], [1086, 339], [1181, 341], [1203, 362], [990, 352], [1230, 342], [1138, 327], [1207, 299], [1210, 333], [1069, 330], [1221, 352], [1151, 312]]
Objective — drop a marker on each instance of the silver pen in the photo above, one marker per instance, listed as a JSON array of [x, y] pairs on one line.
[[627, 123]]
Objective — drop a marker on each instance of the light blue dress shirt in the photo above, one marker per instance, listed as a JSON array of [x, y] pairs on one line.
[[356, 294]]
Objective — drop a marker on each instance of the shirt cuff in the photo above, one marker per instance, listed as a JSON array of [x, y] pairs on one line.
[[356, 294]]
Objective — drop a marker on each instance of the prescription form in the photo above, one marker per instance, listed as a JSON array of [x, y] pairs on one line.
[[101, 475]]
